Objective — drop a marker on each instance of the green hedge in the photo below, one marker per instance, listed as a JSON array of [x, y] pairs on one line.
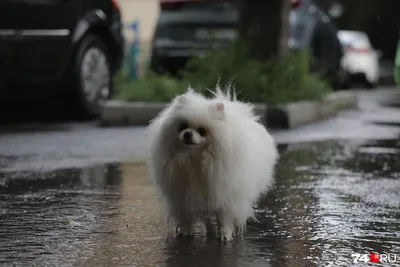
[[271, 82], [149, 87]]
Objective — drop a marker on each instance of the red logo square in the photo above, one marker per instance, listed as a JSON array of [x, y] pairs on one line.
[[374, 258]]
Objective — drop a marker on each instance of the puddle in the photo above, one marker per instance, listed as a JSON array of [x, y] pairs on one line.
[[331, 199], [388, 123]]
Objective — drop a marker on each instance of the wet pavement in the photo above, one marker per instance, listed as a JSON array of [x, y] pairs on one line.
[[70, 202]]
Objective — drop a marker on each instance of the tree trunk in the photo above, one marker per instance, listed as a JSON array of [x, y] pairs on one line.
[[264, 24]]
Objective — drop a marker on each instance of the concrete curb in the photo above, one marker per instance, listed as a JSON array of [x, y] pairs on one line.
[[122, 113], [304, 112]]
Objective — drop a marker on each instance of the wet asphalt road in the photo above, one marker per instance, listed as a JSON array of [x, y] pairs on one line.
[[70, 196]]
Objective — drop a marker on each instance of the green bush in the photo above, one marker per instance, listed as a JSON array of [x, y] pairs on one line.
[[271, 82], [150, 87]]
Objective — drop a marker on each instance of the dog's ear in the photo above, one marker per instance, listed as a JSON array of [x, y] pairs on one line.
[[217, 110], [180, 101]]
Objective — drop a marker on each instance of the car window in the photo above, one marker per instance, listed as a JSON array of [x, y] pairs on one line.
[[36, 1], [209, 6], [198, 20]]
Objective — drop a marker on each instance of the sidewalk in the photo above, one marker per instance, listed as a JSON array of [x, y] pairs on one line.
[[374, 118], [65, 145]]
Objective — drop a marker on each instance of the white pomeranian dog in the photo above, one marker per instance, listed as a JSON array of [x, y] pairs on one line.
[[210, 158]]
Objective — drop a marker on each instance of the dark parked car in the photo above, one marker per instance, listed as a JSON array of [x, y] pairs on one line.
[[184, 28], [71, 47]]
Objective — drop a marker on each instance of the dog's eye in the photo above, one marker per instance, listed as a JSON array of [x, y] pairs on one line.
[[201, 131], [183, 126]]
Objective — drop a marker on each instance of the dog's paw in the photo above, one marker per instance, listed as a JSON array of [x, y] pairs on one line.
[[181, 231], [227, 235], [226, 239]]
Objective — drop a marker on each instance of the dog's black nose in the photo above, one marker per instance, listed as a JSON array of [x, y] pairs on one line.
[[188, 136]]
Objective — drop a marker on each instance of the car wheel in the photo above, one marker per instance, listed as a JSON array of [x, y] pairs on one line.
[[340, 79], [91, 77], [346, 80]]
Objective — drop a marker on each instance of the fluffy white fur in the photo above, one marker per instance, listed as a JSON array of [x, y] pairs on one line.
[[219, 172]]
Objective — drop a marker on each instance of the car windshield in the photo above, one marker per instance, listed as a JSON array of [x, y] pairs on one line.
[[354, 38]]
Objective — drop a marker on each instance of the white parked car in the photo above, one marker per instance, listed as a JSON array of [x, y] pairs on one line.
[[360, 59]]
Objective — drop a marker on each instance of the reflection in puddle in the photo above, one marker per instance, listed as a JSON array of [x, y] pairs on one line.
[[330, 200]]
